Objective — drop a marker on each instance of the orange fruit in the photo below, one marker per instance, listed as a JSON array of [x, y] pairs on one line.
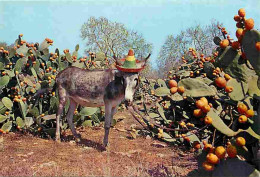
[[250, 113], [224, 43], [240, 141], [173, 90], [196, 145], [208, 166], [204, 100], [212, 158], [172, 83], [207, 147], [257, 46], [231, 151], [249, 24], [181, 89], [235, 45], [220, 152], [229, 89], [200, 104], [206, 108], [242, 12], [208, 120], [221, 82], [242, 119], [197, 112], [237, 18], [242, 108], [239, 32], [227, 77]]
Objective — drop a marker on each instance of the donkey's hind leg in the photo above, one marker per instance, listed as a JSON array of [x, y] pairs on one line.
[[62, 102], [69, 117]]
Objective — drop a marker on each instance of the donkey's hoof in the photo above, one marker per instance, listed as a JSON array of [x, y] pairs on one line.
[[77, 140]]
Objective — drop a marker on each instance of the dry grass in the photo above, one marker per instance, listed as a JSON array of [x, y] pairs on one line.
[[25, 155]]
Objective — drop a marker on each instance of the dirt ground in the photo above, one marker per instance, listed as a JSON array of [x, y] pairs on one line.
[[27, 155]]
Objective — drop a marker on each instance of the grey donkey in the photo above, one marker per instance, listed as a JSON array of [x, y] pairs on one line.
[[94, 88]]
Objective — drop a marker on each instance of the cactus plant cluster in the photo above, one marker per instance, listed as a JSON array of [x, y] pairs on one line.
[[208, 107], [211, 103], [29, 68]]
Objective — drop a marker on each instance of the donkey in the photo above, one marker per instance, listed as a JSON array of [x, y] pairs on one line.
[[95, 88]]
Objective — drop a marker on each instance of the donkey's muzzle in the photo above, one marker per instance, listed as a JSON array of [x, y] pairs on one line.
[[128, 103]]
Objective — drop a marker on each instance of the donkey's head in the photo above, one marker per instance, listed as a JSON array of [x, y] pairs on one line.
[[130, 80]]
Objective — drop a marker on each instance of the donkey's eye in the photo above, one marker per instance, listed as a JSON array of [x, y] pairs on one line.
[[136, 79]]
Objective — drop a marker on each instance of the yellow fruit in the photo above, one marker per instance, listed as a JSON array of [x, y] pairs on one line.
[[249, 24], [208, 166], [240, 141], [221, 82], [242, 108], [208, 120], [207, 147], [200, 104], [206, 108], [242, 12], [229, 89], [224, 43], [181, 89], [250, 113], [242, 119], [197, 112], [212, 158], [204, 100], [172, 83], [220, 152], [231, 151], [173, 90], [239, 32], [237, 18], [227, 77]]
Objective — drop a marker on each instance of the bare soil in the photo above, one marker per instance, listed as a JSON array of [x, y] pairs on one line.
[[27, 155]]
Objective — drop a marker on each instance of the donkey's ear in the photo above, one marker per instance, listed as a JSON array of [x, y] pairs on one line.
[[143, 63]]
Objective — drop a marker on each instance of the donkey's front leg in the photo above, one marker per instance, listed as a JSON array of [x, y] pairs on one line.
[[69, 117], [109, 112]]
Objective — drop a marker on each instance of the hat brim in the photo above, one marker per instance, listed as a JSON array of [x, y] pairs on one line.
[[129, 70]]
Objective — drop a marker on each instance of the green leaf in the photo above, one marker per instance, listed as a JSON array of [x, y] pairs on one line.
[[239, 91], [34, 72], [87, 123], [161, 112], [252, 86], [23, 108], [218, 123], [4, 80], [176, 97], [153, 115], [196, 88], [7, 126], [77, 47], [28, 121], [7, 102], [34, 112], [2, 118], [2, 66], [20, 122], [88, 111], [162, 91], [168, 138], [161, 83]]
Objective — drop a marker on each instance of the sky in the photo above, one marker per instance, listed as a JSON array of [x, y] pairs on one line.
[[61, 20]]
